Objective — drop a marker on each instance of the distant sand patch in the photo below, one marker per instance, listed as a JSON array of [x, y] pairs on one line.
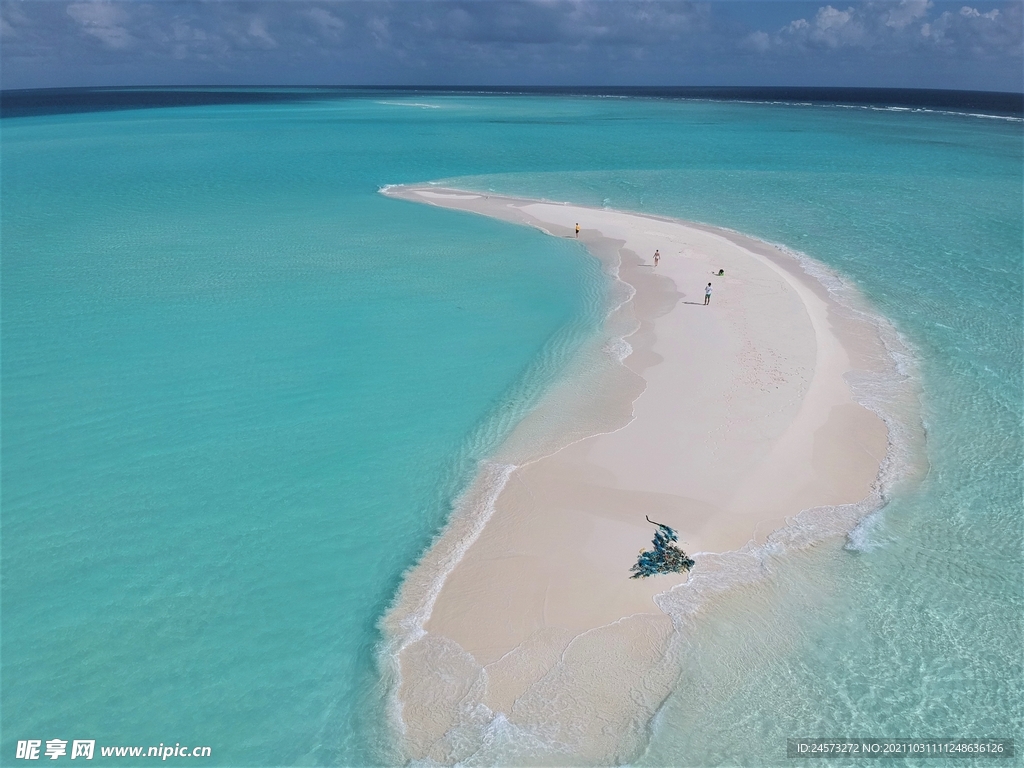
[[446, 195]]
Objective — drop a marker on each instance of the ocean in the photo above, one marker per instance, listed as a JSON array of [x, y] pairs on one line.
[[241, 391]]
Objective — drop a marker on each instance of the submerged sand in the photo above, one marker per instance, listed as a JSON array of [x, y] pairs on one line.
[[723, 422]]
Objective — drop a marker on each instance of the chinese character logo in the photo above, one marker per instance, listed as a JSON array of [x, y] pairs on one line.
[[83, 749], [29, 750], [55, 748]]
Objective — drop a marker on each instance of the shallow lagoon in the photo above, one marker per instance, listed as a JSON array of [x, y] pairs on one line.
[[233, 373]]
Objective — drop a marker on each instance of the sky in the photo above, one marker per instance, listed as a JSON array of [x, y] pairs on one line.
[[969, 44]]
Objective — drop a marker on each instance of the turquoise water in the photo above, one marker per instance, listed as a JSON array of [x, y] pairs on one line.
[[241, 388]]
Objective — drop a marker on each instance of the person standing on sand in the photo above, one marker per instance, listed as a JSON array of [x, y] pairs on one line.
[[657, 257], [577, 230], [707, 295]]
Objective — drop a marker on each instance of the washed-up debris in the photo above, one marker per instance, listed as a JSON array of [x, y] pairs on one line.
[[666, 557]]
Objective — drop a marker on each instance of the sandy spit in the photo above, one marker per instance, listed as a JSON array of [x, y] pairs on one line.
[[724, 421]]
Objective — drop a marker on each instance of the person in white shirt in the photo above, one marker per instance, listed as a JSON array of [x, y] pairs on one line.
[[707, 295]]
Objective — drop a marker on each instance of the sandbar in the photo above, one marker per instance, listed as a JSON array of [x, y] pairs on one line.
[[723, 421]]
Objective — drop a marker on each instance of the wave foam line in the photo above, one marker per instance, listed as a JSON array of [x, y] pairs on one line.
[[411, 627]]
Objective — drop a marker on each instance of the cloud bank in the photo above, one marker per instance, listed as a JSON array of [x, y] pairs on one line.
[[909, 27], [907, 43]]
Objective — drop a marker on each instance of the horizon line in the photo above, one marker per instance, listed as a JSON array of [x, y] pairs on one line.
[[421, 86]]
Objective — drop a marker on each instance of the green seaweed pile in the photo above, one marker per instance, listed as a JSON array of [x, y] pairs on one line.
[[666, 557]]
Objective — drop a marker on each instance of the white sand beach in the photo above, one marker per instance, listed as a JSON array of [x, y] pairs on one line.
[[724, 422]]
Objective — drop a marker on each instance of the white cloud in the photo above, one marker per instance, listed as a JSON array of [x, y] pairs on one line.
[[980, 34], [327, 23], [896, 27], [974, 13], [907, 12], [831, 27], [380, 29], [759, 41], [188, 41], [258, 31], [11, 18], [104, 21]]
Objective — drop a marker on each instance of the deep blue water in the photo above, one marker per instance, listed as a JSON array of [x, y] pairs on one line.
[[51, 101]]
